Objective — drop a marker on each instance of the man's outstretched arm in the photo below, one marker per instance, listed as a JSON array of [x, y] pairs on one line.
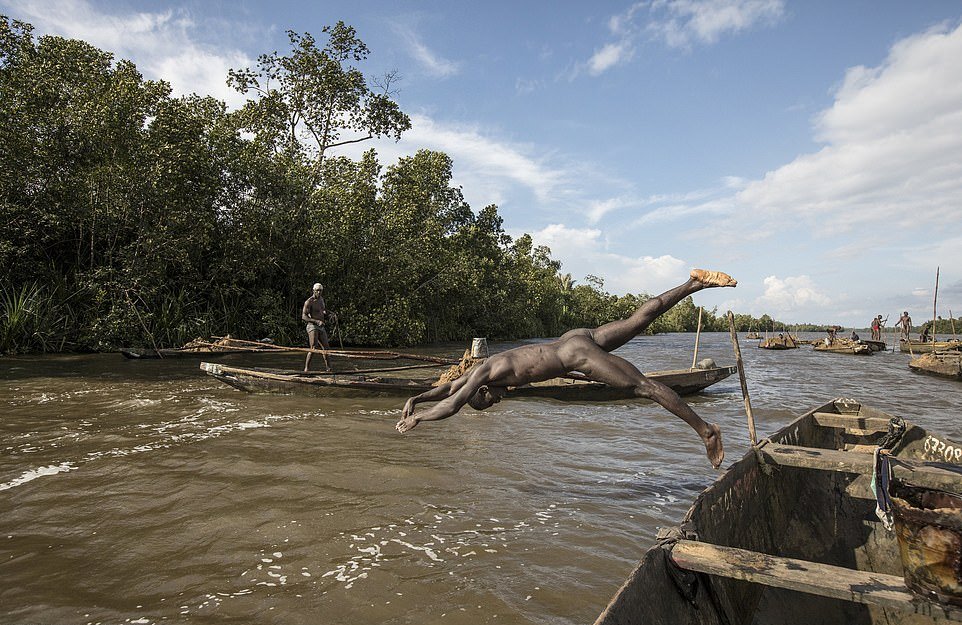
[[452, 399]]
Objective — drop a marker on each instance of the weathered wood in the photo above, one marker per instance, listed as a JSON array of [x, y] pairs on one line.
[[887, 591], [850, 422], [926, 474], [741, 377]]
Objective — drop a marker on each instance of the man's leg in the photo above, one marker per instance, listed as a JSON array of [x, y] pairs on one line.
[[615, 334], [325, 344], [618, 372], [311, 341]]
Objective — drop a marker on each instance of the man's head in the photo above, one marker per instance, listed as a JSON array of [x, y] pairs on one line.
[[485, 397], [906, 313], [317, 288]]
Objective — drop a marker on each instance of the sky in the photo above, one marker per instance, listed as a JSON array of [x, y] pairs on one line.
[[812, 149]]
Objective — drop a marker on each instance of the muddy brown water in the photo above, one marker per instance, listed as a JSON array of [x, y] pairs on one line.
[[146, 492]]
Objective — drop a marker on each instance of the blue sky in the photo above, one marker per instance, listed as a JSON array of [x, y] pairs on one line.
[[811, 149]]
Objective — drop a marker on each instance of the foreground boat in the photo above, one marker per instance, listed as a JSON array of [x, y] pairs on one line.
[[789, 535], [920, 347], [944, 364], [261, 380]]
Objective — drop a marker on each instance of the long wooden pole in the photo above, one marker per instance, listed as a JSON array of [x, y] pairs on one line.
[[694, 358], [741, 377], [952, 321], [372, 355], [935, 299]]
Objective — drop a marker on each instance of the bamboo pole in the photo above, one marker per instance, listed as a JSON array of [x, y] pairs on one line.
[[952, 321], [741, 377], [935, 299], [694, 358], [371, 355]]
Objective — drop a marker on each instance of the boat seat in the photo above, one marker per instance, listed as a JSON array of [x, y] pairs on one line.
[[863, 425], [927, 474], [826, 580]]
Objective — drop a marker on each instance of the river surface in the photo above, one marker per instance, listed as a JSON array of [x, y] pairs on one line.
[[147, 492]]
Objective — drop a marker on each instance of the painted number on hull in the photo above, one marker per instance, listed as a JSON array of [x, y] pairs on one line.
[[950, 453]]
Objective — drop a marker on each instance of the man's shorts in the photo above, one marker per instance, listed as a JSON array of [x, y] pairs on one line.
[[321, 330]]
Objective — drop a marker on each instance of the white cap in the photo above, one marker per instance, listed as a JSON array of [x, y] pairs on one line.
[[317, 287]]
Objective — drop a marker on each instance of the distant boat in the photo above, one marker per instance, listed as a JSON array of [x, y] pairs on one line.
[[753, 335], [946, 364], [789, 534], [779, 342], [845, 346], [920, 347]]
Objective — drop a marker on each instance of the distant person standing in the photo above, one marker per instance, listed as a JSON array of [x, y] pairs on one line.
[[877, 324], [314, 313], [905, 325]]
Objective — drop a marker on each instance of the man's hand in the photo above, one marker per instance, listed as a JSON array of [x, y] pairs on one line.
[[406, 424]]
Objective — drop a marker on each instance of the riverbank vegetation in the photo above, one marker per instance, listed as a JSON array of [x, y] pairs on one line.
[[133, 217]]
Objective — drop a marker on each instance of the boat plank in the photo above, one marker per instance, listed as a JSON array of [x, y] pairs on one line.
[[851, 422], [927, 474], [887, 591]]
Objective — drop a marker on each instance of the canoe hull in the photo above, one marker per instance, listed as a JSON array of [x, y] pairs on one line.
[[783, 504], [258, 380], [917, 347], [942, 364]]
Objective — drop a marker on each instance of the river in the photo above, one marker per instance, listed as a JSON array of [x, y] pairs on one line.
[[147, 492]]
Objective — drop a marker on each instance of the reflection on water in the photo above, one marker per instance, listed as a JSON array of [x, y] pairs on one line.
[[143, 491]]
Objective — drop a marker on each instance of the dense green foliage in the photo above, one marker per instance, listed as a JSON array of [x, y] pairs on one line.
[[132, 217]]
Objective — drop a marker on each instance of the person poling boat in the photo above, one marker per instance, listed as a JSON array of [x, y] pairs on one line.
[[313, 313], [584, 350]]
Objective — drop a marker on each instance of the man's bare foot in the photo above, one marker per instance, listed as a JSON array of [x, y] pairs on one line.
[[713, 278], [713, 446], [406, 423]]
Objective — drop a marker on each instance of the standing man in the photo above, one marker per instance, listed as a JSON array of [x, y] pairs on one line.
[[313, 314], [877, 328], [905, 323]]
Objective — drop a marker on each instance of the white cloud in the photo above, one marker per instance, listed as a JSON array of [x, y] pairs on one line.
[[678, 23], [608, 56], [160, 43], [789, 294], [706, 21], [583, 252], [894, 145], [433, 64], [892, 157]]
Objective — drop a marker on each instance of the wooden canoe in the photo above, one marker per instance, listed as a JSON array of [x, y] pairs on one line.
[[918, 347], [845, 346], [788, 535], [945, 364], [195, 352], [284, 381], [787, 342]]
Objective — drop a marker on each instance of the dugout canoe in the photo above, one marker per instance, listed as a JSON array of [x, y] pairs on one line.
[[788, 535], [786, 342], [919, 347], [845, 346], [944, 364], [135, 353], [285, 381]]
